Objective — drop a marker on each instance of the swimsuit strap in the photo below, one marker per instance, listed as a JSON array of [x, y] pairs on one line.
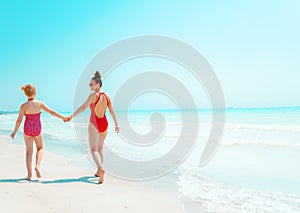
[[97, 98], [101, 93], [105, 97]]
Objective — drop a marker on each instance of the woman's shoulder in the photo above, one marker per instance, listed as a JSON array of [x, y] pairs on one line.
[[93, 95], [106, 97], [104, 93]]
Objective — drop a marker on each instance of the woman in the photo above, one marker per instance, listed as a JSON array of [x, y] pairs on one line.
[[98, 101], [32, 128]]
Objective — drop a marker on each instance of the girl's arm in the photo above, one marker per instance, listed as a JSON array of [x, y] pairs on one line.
[[50, 111], [18, 122], [113, 115]]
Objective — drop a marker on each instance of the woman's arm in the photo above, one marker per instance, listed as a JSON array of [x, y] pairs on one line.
[[18, 122], [113, 115], [82, 107], [51, 111]]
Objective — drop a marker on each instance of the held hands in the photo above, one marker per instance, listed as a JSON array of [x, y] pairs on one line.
[[68, 118]]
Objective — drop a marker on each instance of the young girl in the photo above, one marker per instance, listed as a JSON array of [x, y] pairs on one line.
[[98, 102], [32, 127]]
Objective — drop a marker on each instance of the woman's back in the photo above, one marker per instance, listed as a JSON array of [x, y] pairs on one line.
[[101, 104]]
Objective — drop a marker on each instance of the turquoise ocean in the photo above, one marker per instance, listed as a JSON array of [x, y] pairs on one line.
[[255, 169]]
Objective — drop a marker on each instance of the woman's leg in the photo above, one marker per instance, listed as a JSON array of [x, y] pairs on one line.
[[39, 154], [93, 139], [29, 151], [101, 139]]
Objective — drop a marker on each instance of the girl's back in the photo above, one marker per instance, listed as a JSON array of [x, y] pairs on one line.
[[32, 107]]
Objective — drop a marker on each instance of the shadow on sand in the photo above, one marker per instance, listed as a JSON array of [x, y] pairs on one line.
[[84, 179]]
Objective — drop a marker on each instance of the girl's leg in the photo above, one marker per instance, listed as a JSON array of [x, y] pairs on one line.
[[93, 139], [29, 151], [39, 154]]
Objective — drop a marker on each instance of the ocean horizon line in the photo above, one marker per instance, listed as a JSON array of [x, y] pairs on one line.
[[227, 109]]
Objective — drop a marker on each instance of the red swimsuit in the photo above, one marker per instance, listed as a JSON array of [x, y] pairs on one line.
[[101, 124]]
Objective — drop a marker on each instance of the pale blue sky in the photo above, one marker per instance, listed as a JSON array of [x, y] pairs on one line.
[[253, 46]]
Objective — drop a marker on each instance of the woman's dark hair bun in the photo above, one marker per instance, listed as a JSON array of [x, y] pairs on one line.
[[97, 74], [97, 78]]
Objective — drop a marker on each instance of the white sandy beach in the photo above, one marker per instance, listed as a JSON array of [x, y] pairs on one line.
[[65, 188]]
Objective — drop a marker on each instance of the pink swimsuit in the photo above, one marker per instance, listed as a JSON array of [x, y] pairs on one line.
[[32, 125]]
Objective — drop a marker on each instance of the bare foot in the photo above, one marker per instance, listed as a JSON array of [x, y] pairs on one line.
[[98, 173], [38, 173], [29, 176], [101, 176]]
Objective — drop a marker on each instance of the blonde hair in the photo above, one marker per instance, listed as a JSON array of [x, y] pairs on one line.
[[29, 90]]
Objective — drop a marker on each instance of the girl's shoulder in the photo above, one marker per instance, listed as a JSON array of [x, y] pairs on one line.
[[23, 105], [31, 106], [39, 102]]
